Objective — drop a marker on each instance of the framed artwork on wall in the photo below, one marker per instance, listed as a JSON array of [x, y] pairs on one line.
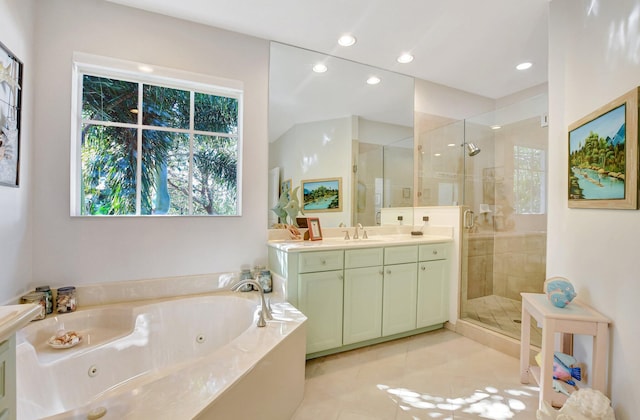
[[603, 156], [11, 69], [285, 188], [322, 195]]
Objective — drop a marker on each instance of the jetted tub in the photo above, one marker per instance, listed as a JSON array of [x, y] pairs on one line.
[[193, 357]]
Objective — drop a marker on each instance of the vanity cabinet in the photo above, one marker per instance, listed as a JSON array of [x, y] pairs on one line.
[[320, 297], [356, 296]]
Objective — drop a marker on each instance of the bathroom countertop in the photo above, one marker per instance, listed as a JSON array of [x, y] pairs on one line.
[[330, 243], [14, 317]]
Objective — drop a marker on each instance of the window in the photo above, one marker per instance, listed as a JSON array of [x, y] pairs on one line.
[[154, 145], [529, 180]]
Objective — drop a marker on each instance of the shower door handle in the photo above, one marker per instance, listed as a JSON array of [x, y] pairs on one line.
[[468, 219]]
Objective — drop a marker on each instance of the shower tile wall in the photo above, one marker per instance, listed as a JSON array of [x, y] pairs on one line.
[[519, 264], [480, 268], [506, 264]]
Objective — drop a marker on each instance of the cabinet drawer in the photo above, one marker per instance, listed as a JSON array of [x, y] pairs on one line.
[[431, 252], [367, 257], [400, 254], [320, 261]]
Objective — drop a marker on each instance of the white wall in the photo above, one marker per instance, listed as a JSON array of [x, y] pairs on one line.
[[594, 58], [317, 150], [16, 22], [434, 99], [86, 250]]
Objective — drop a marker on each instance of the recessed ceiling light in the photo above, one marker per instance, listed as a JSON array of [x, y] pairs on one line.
[[436, 154], [347, 40], [524, 66], [496, 127], [373, 80], [405, 58], [451, 144], [146, 69], [319, 68]]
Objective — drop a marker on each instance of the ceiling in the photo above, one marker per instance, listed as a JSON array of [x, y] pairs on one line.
[[470, 45]]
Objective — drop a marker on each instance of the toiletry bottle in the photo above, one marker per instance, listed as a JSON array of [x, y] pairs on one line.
[[265, 281], [48, 296], [66, 300], [246, 275]]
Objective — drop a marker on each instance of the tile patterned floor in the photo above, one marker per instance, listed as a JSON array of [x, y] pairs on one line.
[[436, 375], [500, 314]]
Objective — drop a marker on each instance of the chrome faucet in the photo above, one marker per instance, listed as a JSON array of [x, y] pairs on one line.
[[265, 312]]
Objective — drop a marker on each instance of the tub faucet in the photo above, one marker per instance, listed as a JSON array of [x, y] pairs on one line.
[[265, 313]]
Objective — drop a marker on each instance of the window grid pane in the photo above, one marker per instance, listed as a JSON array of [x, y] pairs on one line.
[[215, 114], [108, 170], [529, 180], [105, 99], [215, 162], [165, 107]]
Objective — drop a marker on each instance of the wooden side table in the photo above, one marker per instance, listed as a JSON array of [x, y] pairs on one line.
[[575, 318]]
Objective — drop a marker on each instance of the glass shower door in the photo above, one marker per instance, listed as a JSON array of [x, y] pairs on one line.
[[504, 194]]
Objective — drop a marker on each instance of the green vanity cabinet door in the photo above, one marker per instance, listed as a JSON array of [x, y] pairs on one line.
[[8, 378], [320, 299], [433, 293], [400, 293], [362, 304]]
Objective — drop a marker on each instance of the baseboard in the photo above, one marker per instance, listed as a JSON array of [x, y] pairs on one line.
[[489, 338]]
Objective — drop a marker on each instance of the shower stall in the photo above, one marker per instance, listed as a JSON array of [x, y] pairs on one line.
[[494, 166]]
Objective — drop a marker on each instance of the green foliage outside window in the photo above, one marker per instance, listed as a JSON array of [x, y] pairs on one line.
[[185, 169]]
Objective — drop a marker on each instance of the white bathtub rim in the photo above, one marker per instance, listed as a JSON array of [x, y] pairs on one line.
[[133, 308], [235, 360]]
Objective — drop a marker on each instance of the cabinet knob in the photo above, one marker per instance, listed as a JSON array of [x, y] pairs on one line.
[[423, 268], [381, 272], [435, 252], [388, 271], [323, 262]]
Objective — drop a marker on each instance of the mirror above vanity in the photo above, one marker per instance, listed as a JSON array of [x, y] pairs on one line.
[[344, 140]]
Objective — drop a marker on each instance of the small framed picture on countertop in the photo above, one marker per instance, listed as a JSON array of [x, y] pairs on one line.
[[315, 232]]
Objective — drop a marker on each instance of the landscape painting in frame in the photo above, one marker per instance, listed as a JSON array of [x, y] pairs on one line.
[[603, 161], [322, 195], [10, 105]]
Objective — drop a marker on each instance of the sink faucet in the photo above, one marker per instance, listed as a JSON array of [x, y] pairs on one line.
[[265, 313], [355, 234]]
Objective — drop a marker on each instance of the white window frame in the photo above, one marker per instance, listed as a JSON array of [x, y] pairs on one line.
[[147, 74]]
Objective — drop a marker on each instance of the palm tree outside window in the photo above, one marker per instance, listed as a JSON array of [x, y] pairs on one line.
[[157, 149]]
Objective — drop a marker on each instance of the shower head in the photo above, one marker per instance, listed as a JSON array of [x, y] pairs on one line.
[[472, 149]]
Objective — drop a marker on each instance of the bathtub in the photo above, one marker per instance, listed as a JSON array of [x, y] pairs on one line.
[[191, 357]]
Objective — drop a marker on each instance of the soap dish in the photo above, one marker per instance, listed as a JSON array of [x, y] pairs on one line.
[[64, 340]]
